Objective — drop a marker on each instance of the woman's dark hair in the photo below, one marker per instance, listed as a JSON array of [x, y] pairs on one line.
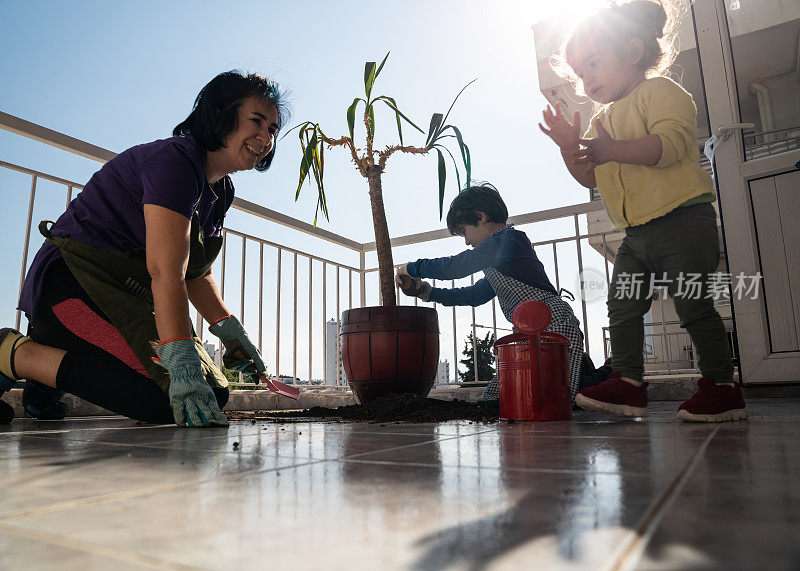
[[216, 110], [480, 198]]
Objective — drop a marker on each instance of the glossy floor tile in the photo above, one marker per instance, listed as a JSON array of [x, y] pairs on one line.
[[596, 492]]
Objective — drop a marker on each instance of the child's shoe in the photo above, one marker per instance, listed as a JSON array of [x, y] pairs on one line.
[[714, 403], [615, 396]]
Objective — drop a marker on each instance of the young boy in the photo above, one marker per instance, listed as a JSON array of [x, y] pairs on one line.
[[512, 272]]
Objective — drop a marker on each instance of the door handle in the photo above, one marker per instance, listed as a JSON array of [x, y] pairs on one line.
[[723, 132], [726, 131]]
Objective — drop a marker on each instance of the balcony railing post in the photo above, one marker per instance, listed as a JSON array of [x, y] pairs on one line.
[[325, 324], [294, 324], [338, 329], [455, 339], [555, 264], [362, 266], [278, 320], [222, 263], [494, 319], [580, 293], [310, 316], [241, 277], [261, 298], [474, 337], [24, 269]]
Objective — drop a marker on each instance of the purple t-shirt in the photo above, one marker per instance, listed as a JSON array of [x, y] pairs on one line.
[[109, 211]]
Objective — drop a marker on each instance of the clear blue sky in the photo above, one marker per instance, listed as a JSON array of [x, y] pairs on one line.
[[121, 73]]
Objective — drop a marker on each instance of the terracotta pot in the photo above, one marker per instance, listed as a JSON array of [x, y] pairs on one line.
[[390, 350]]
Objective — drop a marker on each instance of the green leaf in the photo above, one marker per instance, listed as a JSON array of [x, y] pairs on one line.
[[465, 156], [433, 130], [301, 126], [351, 117], [318, 166], [393, 105], [369, 77], [442, 179], [455, 165], [380, 67], [371, 74], [309, 148], [456, 99]]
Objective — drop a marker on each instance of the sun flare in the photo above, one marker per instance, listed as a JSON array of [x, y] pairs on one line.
[[541, 9]]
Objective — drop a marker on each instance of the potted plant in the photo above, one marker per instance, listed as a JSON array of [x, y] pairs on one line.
[[389, 348]]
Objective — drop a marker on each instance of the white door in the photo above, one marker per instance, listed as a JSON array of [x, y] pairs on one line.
[[749, 51]]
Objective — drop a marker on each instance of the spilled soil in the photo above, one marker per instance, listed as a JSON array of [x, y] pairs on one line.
[[386, 408]]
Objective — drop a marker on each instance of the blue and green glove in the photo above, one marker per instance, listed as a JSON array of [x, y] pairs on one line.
[[240, 353], [192, 400]]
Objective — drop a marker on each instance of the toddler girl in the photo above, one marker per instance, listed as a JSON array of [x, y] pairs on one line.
[[641, 153]]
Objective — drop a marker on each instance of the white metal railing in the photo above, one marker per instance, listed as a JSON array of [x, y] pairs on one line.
[[668, 351], [772, 142], [317, 297]]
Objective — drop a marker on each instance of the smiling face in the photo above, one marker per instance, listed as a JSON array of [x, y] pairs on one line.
[[606, 76], [251, 140]]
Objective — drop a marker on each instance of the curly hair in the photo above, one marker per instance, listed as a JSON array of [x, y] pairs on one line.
[[654, 22]]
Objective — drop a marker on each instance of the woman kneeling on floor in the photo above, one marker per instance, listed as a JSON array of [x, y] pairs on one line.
[[107, 296]]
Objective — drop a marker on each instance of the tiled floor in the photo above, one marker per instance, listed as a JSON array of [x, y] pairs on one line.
[[594, 493]]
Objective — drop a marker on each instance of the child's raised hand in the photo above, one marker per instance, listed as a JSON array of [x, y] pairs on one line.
[[564, 134], [595, 151]]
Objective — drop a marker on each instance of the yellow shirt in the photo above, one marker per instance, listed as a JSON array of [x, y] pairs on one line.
[[635, 194]]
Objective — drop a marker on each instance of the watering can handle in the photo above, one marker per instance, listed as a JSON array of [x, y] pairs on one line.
[[552, 336]]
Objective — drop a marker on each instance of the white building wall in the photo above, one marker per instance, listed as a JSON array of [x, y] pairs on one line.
[[213, 352], [443, 372], [333, 360]]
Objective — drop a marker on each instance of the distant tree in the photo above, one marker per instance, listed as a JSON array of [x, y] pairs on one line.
[[485, 360]]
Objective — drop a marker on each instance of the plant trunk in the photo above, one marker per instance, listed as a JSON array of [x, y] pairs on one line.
[[382, 243]]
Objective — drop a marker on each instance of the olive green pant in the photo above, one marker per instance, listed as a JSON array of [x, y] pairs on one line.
[[677, 250]]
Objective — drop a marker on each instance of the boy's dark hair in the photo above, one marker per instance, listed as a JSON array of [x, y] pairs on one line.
[[481, 198], [216, 110]]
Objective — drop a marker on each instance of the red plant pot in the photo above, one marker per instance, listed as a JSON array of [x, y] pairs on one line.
[[390, 350]]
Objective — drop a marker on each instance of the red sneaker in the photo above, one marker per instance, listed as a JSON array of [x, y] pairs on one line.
[[615, 396], [714, 403]]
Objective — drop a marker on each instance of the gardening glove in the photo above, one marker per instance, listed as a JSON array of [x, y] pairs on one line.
[[240, 353], [402, 270], [414, 287], [192, 400]]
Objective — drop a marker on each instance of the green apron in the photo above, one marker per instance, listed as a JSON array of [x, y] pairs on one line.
[[119, 283]]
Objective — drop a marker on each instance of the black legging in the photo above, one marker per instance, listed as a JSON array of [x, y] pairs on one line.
[[90, 372]]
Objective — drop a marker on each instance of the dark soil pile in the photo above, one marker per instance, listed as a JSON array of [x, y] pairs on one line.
[[388, 408]]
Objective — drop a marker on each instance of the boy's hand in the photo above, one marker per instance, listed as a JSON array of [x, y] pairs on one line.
[[408, 285], [597, 151], [414, 287], [564, 134]]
